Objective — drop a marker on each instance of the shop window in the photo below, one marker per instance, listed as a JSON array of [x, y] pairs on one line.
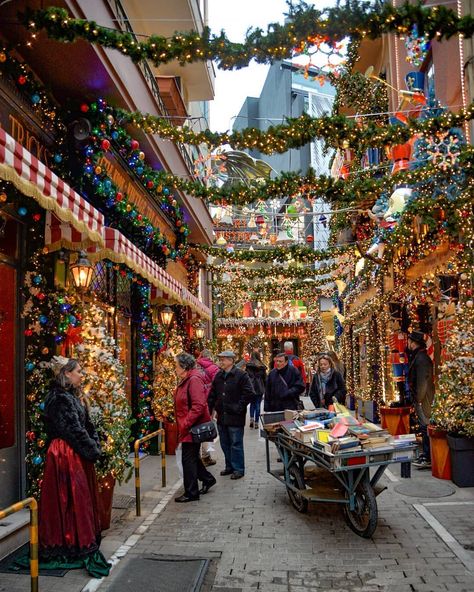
[[103, 282], [124, 294]]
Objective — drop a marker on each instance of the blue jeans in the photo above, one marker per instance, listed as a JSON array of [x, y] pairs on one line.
[[232, 444], [255, 409]]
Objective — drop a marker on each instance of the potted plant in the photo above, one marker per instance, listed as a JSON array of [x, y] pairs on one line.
[[453, 410], [395, 418], [104, 388]]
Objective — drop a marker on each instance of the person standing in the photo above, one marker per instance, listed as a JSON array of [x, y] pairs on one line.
[[293, 360], [257, 372], [209, 369], [191, 409], [69, 525], [327, 383], [421, 385], [231, 392], [284, 386]]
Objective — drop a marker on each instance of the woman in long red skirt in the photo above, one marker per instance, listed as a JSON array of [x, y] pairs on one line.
[[69, 527]]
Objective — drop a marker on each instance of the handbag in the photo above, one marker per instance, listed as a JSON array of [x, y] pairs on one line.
[[203, 432]]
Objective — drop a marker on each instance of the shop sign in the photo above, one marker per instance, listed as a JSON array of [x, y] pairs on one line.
[[136, 195], [24, 127]]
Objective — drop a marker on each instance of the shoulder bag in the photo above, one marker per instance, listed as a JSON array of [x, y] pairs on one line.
[[203, 432]]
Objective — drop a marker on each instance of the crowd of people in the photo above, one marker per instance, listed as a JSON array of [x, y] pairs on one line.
[[205, 391]]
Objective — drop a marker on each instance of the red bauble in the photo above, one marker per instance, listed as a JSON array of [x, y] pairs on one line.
[[84, 107], [309, 238], [149, 184], [105, 144], [134, 145], [28, 332], [40, 296], [119, 196], [36, 217], [139, 217], [465, 213], [21, 80]]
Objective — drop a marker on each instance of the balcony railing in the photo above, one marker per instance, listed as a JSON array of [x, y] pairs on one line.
[[124, 23]]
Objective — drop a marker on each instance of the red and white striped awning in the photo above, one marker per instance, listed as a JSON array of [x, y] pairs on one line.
[[33, 178], [117, 248]]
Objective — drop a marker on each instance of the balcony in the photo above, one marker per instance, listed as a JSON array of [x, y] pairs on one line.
[[162, 17]]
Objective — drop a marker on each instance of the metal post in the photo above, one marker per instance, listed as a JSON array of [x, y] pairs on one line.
[[33, 505], [136, 448], [405, 470]]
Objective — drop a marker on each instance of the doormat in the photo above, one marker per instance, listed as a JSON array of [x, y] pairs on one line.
[[429, 488], [160, 573], [7, 564]]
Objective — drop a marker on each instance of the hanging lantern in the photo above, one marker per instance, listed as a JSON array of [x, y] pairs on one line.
[[82, 271], [166, 316], [259, 220], [199, 331]]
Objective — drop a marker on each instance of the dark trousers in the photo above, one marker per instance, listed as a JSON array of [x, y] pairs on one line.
[[255, 409], [232, 444], [193, 469]]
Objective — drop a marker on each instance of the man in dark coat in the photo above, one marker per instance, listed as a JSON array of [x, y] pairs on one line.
[[420, 381], [231, 392], [284, 386]]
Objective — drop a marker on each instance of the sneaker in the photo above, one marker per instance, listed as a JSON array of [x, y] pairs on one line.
[[256, 426], [236, 475], [422, 463], [207, 461], [251, 423]]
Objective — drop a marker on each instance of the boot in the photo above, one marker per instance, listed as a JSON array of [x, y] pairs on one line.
[[251, 423]]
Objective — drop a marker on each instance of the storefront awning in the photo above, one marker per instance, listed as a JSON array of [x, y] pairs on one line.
[[33, 178], [117, 248]]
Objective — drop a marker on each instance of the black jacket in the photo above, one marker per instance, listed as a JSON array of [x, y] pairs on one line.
[[280, 396], [335, 387], [65, 417], [258, 376], [421, 383], [230, 394]]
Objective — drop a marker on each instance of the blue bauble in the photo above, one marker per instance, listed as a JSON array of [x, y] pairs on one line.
[[41, 406], [37, 280], [107, 183], [43, 319], [57, 158], [22, 211], [29, 366], [35, 99], [72, 319], [139, 170], [37, 460], [114, 135], [166, 191]]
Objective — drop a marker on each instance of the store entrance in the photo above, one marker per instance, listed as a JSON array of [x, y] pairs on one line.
[[10, 468]]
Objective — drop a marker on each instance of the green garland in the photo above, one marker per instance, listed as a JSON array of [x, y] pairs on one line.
[[353, 18], [337, 130], [296, 252], [290, 272]]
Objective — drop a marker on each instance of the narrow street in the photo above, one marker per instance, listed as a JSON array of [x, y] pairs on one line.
[[257, 541]]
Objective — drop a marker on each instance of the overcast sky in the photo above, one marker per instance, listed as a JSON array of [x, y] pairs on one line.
[[232, 87]]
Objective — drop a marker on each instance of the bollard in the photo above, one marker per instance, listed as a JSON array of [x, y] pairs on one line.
[[33, 505], [136, 448]]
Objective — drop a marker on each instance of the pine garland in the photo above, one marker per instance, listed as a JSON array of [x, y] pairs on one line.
[[353, 18]]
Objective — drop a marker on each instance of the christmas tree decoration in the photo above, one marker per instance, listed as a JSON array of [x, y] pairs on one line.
[[315, 341], [105, 392], [453, 408], [166, 380]]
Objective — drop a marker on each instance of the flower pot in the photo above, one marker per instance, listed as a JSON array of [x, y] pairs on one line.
[[462, 460], [171, 437], [106, 493], [396, 420], [440, 455]]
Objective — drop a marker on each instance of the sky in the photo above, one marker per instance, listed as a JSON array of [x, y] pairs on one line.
[[232, 87]]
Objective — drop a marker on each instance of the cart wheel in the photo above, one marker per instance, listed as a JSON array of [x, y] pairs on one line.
[[363, 519], [299, 502]]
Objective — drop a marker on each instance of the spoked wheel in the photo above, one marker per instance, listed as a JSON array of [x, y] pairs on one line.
[[299, 502], [363, 518]]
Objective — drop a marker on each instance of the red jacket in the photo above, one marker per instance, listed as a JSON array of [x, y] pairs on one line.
[[210, 369], [188, 416]]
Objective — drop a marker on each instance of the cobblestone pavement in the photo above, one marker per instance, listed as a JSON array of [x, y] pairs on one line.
[[258, 541]]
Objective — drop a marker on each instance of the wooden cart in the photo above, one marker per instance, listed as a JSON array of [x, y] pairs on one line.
[[313, 475]]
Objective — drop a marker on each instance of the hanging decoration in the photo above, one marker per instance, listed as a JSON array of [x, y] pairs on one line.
[[303, 23], [417, 47]]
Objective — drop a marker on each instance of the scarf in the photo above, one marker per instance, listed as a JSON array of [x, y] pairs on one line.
[[324, 378]]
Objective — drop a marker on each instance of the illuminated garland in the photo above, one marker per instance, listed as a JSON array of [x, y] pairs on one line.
[[290, 272], [303, 23], [359, 186], [106, 133], [296, 252], [338, 131]]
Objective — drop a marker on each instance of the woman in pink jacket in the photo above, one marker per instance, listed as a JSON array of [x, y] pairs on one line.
[[191, 409]]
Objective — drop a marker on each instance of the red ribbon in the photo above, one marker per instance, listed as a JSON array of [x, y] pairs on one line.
[[73, 336]]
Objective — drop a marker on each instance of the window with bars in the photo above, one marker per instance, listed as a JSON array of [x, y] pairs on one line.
[[124, 294], [103, 282]]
